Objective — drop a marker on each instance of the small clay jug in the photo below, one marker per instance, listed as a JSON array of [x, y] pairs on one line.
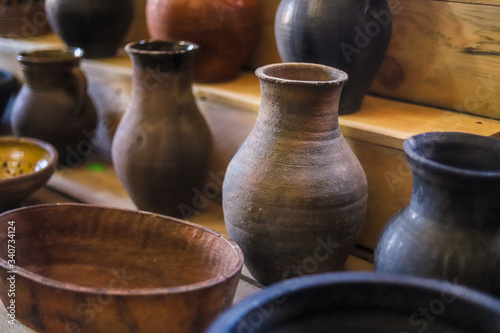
[[53, 104], [162, 145], [451, 228], [225, 30], [350, 35], [295, 195], [96, 26]]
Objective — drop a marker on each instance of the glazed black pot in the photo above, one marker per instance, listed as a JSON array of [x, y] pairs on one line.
[[96, 26], [451, 228], [362, 302], [349, 35]]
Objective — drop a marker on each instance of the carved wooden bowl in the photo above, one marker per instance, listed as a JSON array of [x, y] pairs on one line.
[[92, 269], [25, 165]]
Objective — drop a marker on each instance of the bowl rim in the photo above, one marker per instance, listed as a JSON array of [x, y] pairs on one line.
[[50, 149], [231, 318], [413, 147], [338, 76], [56, 284]]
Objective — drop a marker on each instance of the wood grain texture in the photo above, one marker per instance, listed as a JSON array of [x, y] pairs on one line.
[[389, 186], [444, 54]]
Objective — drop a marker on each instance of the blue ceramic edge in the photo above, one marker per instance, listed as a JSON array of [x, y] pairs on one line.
[[229, 320]]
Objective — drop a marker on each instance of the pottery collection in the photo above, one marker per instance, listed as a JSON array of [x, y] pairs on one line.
[[98, 27], [450, 230], [349, 35], [161, 147], [295, 185], [294, 196], [53, 104], [225, 30]]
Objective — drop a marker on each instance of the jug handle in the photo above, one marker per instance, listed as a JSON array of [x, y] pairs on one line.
[[82, 90]]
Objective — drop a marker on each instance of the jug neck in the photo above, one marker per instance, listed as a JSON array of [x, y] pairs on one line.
[[456, 178], [298, 97], [162, 76]]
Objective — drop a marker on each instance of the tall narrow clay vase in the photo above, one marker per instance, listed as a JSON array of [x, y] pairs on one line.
[[451, 228], [96, 26], [53, 104], [294, 195], [161, 146], [225, 30], [350, 35]]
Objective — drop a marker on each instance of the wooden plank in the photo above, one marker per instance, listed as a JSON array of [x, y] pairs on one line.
[[444, 54], [381, 121], [477, 2], [389, 186]]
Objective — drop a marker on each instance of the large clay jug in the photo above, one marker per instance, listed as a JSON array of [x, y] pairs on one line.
[[53, 104], [295, 195], [161, 147], [225, 30], [451, 228], [96, 26], [352, 35]]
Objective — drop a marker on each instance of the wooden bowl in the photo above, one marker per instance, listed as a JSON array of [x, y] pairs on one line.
[[362, 302], [25, 165], [93, 269]]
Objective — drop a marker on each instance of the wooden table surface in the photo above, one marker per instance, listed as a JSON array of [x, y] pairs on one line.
[[95, 182]]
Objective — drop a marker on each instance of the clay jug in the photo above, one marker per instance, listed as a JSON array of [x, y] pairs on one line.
[[96, 26], [162, 144], [53, 104], [295, 195], [451, 228], [350, 35], [225, 30]]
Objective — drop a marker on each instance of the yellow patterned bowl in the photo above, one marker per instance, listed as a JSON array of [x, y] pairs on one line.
[[25, 165]]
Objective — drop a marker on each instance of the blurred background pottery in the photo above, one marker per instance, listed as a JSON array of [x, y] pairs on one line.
[[96, 26], [23, 18], [349, 35], [53, 104], [25, 165], [161, 148], [362, 302], [9, 87], [450, 230], [295, 195], [144, 272], [225, 30]]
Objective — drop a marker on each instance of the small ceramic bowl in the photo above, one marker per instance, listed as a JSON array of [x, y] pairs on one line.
[[362, 302], [25, 165], [92, 269]]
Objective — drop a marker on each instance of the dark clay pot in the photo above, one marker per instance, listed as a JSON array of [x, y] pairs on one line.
[[294, 195], [349, 35], [362, 302], [225, 30], [96, 26], [161, 147], [8, 88], [53, 104], [451, 228]]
